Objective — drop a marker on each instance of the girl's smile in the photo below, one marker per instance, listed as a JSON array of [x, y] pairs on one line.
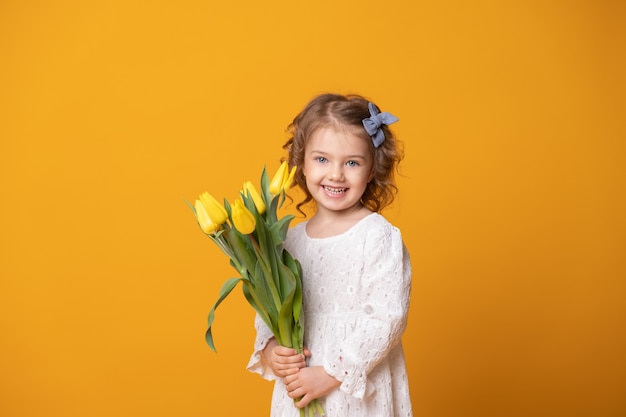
[[335, 191]]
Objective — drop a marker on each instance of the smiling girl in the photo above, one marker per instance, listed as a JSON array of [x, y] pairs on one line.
[[356, 269]]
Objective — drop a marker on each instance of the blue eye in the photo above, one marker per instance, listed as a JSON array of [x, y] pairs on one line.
[[321, 159], [352, 163]]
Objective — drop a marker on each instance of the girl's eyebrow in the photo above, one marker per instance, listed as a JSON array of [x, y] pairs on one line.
[[346, 156]]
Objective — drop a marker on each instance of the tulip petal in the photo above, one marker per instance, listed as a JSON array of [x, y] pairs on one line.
[[248, 189], [289, 180], [213, 208], [276, 186], [243, 220], [204, 220]]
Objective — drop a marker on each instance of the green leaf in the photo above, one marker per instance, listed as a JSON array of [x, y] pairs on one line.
[[285, 322], [267, 196], [285, 317], [241, 247], [272, 208], [266, 255], [279, 229], [287, 280], [227, 287], [296, 269], [267, 292], [228, 211], [254, 300], [191, 206]]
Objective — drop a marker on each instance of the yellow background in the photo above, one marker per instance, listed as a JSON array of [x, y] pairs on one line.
[[512, 202]]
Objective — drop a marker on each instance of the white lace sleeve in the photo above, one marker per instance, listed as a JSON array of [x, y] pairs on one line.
[[384, 296], [257, 363]]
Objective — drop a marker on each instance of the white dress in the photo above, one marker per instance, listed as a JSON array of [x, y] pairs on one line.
[[356, 288]]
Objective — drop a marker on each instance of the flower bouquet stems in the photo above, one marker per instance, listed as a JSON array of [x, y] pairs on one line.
[[250, 233]]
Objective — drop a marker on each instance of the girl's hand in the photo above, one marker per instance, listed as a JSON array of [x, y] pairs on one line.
[[309, 383], [283, 361]]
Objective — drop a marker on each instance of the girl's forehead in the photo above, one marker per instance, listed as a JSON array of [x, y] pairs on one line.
[[331, 139], [337, 132]]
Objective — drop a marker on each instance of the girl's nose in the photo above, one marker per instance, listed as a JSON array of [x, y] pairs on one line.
[[336, 173]]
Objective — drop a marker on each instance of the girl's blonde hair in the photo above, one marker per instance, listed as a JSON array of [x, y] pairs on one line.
[[342, 111]]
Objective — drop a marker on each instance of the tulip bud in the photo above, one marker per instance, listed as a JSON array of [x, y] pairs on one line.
[[289, 181], [282, 179], [215, 210], [277, 181], [205, 222], [243, 220], [248, 188]]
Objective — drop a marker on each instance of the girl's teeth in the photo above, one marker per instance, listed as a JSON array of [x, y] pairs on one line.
[[335, 190]]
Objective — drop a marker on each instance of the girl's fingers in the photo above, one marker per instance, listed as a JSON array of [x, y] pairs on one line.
[[297, 361], [285, 351], [290, 377], [291, 371], [303, 402], [287, 372], [296, 393]]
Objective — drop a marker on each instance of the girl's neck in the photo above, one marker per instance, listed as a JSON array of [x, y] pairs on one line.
[[327, 223]]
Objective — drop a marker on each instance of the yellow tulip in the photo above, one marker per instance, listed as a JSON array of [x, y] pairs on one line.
[[243, 220], [277, 181], [248, 188], [215, 210], [292, 174], [282, 179], [205, 222]]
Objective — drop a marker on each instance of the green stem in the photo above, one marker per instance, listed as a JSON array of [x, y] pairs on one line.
[[268, 274], [223, 245], [219, 241], [318, 408]]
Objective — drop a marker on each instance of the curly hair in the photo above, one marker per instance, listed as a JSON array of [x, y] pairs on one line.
[[341, 111]]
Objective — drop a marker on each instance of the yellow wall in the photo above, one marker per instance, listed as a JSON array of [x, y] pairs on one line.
[[512, 198]]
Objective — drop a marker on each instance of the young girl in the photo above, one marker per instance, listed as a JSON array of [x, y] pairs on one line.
[[356, 270]]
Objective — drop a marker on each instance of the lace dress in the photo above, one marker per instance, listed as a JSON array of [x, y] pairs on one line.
[[356, 289]]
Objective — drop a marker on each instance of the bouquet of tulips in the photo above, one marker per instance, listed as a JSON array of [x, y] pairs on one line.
[[250, 233]]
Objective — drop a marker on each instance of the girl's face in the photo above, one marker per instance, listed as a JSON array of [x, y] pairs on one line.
[[337, 166]]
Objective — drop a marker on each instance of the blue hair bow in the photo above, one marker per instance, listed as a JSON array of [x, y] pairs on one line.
[[372, 124]]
